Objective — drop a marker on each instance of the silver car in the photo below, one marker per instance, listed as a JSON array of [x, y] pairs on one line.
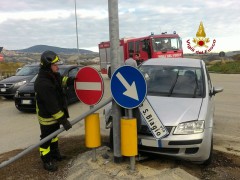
[[180, 98]]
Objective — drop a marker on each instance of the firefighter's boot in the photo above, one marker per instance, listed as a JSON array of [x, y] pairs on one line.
[[48, 163], [50, 166], [57, 156]]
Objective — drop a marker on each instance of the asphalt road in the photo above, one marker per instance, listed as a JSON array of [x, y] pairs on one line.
[[20, 130], [227, 116]]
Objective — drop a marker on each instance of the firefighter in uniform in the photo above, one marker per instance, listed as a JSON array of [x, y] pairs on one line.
[[51, 107]]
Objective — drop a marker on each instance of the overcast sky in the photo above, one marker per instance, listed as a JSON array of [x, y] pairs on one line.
[[25, 23]]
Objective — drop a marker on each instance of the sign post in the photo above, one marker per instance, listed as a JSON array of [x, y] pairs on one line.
[[129, 89], [89, 89], [222, 55]]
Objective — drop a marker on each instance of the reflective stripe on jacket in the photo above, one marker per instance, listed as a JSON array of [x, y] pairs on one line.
[[49, 121]]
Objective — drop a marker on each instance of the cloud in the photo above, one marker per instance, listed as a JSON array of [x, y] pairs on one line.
[[35, 15], [28, 22]]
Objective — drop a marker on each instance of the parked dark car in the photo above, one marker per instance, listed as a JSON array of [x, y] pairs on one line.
[[9, 86], [25, 95]]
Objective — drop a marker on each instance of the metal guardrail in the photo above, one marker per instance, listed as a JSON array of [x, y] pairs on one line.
[[73, 122]]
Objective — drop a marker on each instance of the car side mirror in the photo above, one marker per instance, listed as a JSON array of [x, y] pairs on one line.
[[216, 90]]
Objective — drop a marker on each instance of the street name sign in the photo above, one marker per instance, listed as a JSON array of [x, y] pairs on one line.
[[154, 123]]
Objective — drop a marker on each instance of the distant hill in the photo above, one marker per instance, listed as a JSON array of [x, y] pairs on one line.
[[232, 53], [58, 50]]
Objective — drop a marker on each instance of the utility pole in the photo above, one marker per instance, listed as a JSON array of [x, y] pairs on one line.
[[77, 29], [115, 63]]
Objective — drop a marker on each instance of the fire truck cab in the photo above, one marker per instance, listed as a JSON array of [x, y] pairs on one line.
[[152, 46]]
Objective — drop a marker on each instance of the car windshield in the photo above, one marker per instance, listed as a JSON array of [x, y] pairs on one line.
[[28, 70], [174, 81], [163, 44]]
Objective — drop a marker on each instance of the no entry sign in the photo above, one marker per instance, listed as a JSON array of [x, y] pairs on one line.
[[89, 85]]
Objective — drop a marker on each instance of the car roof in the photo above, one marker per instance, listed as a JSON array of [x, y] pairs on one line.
[[68, 65], [60, 65], [189, 62], [33, 64]]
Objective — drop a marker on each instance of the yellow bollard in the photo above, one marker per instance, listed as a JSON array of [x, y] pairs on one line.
[[129, 136], [92, 131]]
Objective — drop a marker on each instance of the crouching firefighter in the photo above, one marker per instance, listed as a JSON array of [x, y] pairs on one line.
[[51, 107]]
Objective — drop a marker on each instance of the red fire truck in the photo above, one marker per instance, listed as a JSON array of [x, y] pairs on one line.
[[152, 46]]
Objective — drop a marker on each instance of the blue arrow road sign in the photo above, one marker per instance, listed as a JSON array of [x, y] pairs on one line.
[[128, 87]]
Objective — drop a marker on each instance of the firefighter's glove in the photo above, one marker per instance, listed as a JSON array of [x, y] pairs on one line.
[[71, 80], [66, 124]]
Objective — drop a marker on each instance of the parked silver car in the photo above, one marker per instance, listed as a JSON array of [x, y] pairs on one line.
[[181, 95]]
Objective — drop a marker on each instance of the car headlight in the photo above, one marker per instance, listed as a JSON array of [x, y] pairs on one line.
[[16, 94], [20, 83], [193, 127]]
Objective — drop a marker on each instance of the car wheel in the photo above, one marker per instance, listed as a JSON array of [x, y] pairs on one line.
[[209, 160], [8, 97], [20, 110], [137, 115], [26, 111]]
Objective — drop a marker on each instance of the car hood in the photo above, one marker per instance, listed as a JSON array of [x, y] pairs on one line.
[[27, 88], [172, 111], [14, 79]]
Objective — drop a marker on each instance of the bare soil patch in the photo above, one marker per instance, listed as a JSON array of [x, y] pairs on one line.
[[224, 165]]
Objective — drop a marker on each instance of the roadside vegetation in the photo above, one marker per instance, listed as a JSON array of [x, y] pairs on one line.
[[227, 65], [232, 67], [9, 68], [16, 60]]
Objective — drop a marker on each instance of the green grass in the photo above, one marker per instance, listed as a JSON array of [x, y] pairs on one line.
[[226, 68]]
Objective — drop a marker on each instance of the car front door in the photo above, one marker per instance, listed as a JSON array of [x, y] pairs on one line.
[[72, 97]]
